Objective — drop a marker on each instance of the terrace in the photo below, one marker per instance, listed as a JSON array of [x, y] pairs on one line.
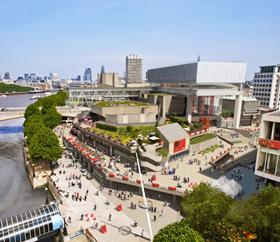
[[121, 103]]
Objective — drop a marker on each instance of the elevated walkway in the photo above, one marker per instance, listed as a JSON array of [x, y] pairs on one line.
[[40, 223]]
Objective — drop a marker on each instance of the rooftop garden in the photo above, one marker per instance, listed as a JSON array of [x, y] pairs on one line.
[[164, 152], [209, 149], [201, 138], [120, 103], [123, 134]]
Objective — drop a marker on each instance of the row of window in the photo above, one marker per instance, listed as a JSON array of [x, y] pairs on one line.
[[263, 75], [262, 85], [32, 233]]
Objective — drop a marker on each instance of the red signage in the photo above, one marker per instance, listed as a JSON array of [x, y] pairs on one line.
[[272, 144], [179, 145]]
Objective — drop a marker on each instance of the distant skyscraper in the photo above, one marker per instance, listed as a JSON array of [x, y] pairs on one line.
[[87, 75], [54, 76], [101, 73], [133, 69], [32, 76], [26, 77], [7, 76], [79, 78]]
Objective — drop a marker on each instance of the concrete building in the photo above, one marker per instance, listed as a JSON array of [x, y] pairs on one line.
[[133, 69], [132, 113], [203, 84], [175, 139], [266, 86], [108, 78], [268, 164], [250, 110]]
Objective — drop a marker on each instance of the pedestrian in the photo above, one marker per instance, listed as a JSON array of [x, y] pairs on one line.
[[94, 207], [80, 199], [155, 209], [161, 212], [110, 217], [142, 233], [69, 219], [155, 218]]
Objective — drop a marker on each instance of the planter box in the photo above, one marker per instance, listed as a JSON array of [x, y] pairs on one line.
[[172, 188], [111, 175], [155, 185], [125, 178]]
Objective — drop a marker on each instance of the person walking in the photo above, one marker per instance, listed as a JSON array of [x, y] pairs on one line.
[[110, 217], [155, 218]]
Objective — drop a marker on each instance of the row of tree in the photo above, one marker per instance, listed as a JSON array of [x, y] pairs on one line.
[[211, 215], [41, 118], [8, 88]]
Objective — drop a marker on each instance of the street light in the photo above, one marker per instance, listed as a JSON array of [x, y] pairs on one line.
[[33, 170], [144, 198], [47, 199]]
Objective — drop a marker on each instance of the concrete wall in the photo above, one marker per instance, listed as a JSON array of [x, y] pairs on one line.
[[103, 111], [170, 104], [136, 118], [199, 72], [204, 145]]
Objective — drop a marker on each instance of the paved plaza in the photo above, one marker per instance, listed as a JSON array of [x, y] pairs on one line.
[[121, 227], [195, 167]]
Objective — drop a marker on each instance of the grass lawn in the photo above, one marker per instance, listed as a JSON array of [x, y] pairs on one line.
[[164, 152], [130, 134], [209, 149], [124, 138], [202, 138]]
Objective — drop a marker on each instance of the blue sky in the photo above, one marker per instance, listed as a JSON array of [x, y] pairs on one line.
[[65, 36]]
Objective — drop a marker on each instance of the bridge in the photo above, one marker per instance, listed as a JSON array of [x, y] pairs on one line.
[[40, 223], [14, 113]]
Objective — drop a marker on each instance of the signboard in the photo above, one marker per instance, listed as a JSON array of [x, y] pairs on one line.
[[179, 145], [272, 144]]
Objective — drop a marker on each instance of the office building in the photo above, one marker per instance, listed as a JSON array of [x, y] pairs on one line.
[[268, 164], [266, 86], [26, 77], [87, 75], [133, 69], [7, 76], [53, 76]]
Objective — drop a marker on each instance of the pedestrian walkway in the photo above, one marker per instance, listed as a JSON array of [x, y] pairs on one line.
[[79, 202]]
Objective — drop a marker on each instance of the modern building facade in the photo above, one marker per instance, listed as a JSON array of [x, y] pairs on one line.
[[133, 69], [268, 157], [87, 75], [203, 84], [266, 86], [200, 72]]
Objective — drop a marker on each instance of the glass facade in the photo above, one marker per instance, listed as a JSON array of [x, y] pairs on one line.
[[31, 224]]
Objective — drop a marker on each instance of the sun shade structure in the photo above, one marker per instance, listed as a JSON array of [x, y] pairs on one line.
[[32, 225]]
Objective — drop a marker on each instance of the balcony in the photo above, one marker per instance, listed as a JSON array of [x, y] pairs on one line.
[[271, 144]]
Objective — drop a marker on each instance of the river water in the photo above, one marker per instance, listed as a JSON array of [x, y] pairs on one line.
[[16, 193]]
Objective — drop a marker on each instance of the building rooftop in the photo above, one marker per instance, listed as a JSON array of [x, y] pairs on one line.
[[172, 132]]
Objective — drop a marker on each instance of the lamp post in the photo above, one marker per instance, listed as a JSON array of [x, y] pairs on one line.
[[33, 170], [47, 199], [144, 198]]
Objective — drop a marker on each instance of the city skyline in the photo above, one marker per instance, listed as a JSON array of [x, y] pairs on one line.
[[67, 36]]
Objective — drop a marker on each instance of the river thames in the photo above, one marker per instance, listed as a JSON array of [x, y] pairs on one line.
[[16, 193]]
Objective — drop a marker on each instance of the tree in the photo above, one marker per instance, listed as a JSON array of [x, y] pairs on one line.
[[44, 146], [32, 125], [178, 232], [51, 118], [259, 214], [31, 110], [205, 122], [205, 209]]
